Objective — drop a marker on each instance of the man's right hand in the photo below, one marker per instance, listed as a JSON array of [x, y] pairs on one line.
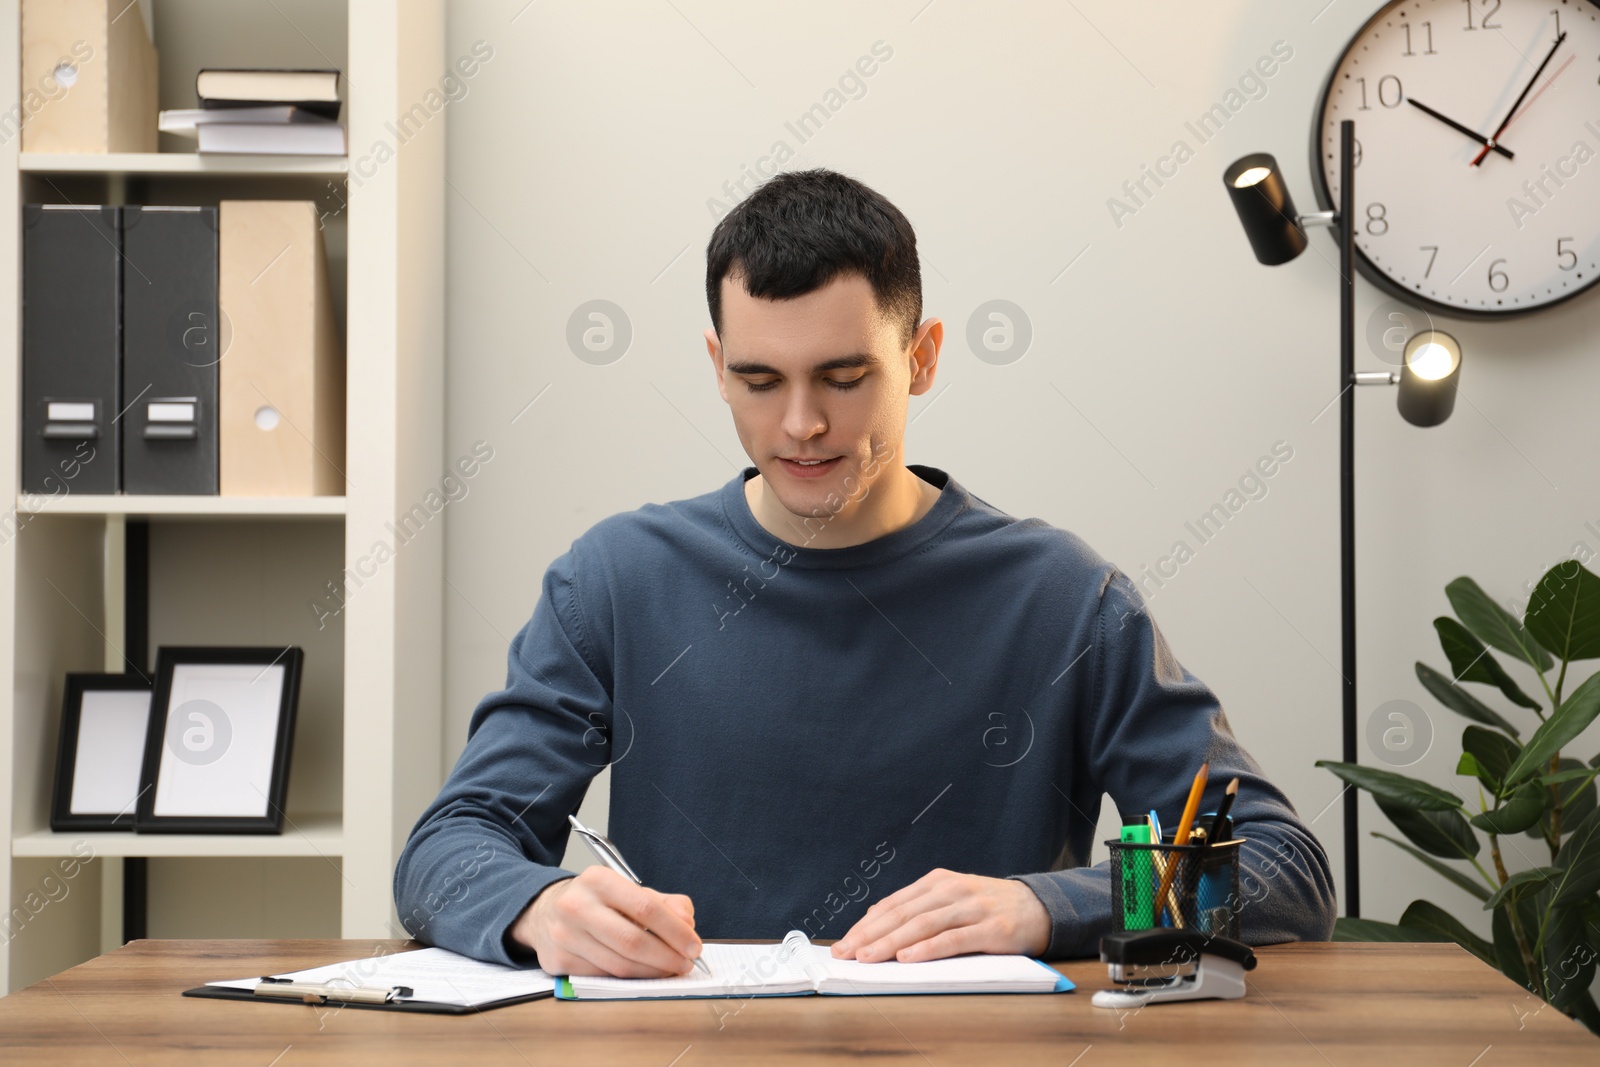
[[601, 923]]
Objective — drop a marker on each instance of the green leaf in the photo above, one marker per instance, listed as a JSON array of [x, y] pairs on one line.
[[1494, 625], [1348, 929], [1579, 863], [1517, 814], [1568, 961], [1572, 774], [1424, 915], [1565, 723], [1410, 792], [1471, 662], [1469, 767], [1459, 878], [1493, 753], [1521, 883], [1564, 611], [1443, 833], [1459, 700]]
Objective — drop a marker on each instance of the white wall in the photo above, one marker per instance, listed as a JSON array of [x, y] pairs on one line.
[[580, 166]]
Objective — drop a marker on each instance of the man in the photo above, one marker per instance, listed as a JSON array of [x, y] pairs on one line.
[[839, 694]]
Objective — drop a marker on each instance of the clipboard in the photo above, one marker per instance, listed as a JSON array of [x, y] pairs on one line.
[[355, 997], [430, 980]]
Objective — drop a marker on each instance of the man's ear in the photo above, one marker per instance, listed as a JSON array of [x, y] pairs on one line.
[[924, 355], [714, 349]]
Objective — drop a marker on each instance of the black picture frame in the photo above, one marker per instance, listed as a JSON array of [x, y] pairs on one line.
[[210, 768], [116, 747]]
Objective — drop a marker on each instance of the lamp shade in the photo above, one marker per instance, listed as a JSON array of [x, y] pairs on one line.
[[1429, 371], [1265, 208]]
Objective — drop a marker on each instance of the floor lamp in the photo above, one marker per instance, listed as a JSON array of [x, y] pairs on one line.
[[1429, 369]]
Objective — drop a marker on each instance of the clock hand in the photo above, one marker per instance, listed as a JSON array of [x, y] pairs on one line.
[[1454, 125], [1520, 97], [1547, 83]]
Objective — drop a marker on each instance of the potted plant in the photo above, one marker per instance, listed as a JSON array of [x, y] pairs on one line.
[[1546, 922]]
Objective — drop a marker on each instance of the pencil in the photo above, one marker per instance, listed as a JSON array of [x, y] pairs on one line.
[[1222, 812], [1181, 837]]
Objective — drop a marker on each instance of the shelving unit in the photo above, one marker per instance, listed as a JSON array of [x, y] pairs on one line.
[[244, 570], [181, 507], [181, 163], [311, 835]]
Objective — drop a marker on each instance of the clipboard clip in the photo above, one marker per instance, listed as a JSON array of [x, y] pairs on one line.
[[321, 993]]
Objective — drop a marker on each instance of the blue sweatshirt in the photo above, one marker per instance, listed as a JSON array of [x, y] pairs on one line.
[[794, 733]]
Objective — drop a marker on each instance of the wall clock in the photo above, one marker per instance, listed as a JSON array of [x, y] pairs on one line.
[[1477, 166]]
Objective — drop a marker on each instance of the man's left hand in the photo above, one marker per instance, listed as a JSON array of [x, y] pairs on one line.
[[948, 914]]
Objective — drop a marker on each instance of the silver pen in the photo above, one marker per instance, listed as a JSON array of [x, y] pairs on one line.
[[608, 854]]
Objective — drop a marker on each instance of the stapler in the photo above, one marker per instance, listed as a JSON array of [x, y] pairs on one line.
[[1172, 964]]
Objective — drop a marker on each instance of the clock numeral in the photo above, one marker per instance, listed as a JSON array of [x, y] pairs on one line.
[[1377, 219], [1383, 92], [1428, 26], [1356, 161], [1498, 281], [1488, 13], [1435, 250], [1566, 253], [1557, 13]]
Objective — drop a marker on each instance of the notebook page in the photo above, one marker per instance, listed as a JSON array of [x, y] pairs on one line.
[[959, 974], [434, 974], [736, 971]]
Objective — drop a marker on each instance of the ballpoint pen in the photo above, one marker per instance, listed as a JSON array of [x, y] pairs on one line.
[[608, 854]]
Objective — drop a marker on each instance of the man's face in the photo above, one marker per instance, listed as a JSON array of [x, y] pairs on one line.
[[823, 376]]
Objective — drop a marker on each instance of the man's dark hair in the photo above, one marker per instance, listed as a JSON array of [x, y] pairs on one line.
[[799, 230]]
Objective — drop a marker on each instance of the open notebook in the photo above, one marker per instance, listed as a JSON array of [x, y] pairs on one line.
[[797, 967]]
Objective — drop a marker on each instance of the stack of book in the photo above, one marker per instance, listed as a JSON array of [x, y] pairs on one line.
[[269, 112]]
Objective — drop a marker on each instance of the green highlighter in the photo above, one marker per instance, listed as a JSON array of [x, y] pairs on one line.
[[1138, 873]]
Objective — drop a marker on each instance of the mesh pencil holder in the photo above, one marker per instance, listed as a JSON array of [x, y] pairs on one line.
[[1204, 891]]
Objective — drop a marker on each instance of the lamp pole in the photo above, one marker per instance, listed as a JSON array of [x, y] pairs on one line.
[[1347, 500], [1430, 369]]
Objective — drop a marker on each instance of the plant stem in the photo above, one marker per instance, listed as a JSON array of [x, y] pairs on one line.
[[1474, 861], [1555, 701], [1535, 979]]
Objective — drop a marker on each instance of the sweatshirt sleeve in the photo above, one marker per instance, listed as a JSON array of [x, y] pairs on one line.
[[494, 837], [1147, 724]]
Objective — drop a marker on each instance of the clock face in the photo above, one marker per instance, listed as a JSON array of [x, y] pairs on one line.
[[1441, 218]]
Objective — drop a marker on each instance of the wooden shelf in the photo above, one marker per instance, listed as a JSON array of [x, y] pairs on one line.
[[184, 507], [309, 835], [239, 570], [180, 163]]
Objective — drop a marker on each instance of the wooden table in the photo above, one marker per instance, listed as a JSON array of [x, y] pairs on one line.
[[1310, 1003]]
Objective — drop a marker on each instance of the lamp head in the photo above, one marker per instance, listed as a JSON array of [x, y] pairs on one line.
[[1266, 211], [1429, 370]]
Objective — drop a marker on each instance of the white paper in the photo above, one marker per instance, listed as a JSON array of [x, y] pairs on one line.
[[105, 771], [435, 975], [238, 782], [957, 974], [736, 971], [798, 966]]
